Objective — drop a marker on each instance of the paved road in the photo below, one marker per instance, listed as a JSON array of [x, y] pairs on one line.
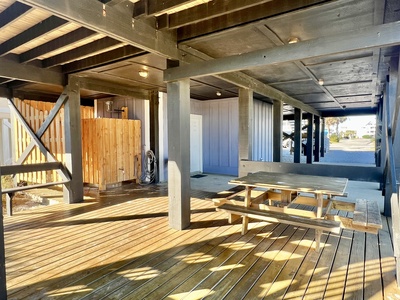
[[355, 151]]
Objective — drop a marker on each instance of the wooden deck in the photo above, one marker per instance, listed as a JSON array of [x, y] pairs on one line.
[[119, 246]]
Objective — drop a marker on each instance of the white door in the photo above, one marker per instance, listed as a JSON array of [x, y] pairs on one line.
[[196, 144]]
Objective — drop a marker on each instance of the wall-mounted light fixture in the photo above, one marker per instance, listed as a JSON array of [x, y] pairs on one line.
[[143, 73]]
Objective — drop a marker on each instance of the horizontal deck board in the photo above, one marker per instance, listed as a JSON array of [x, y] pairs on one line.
[[120, 245]]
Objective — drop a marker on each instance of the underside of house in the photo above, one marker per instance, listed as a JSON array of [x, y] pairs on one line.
[[101, 89]]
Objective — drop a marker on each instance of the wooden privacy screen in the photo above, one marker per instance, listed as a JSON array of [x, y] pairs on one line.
[[111, 151], [110, 147], [35, 112]]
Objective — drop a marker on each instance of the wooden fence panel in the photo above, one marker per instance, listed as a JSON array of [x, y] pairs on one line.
[[35, 113], [111, 149]]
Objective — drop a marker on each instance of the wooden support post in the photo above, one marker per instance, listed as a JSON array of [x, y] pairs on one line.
[[318, 232], [310, 143], [322, 152], [247, 203], [179, 153], [277, 131], [245, 124], [297, 135], [73, 191], [317, 138], [3, 286], [154, 131]]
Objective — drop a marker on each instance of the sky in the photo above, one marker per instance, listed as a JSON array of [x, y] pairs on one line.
[[357, 122]]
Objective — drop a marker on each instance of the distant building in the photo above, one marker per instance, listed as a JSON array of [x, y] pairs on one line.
[[368, 129]]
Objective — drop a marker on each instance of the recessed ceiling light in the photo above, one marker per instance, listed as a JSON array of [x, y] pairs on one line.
[[218, 93], [293, 40], [320, 81], [143, 73]]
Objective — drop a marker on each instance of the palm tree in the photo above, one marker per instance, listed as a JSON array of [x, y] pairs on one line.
[[335, 121]]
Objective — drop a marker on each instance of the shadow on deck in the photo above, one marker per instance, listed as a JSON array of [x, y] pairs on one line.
[[119, 246]]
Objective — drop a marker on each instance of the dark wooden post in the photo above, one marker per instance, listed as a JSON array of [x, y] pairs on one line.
[[73, 192], [310, 146], [317, 138], [154, 131], [297, 135], [277, 131]]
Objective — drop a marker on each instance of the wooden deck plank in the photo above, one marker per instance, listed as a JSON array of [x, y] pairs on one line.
[[115, 246], [266, 257], [169, 248], [337, 279], [264, 282], [167, 291], [372, 283], [354, 286], [212, 259], [120, 246]]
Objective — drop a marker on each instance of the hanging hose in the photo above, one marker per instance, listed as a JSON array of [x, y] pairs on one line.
[[150, 168]]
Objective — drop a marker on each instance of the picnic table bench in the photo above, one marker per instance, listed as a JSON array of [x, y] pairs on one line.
[[276, 197]]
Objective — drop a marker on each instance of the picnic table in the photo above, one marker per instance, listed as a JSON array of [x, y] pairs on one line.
[[276, 197]]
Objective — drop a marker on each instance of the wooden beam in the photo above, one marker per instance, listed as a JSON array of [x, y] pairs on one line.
[[12, 13], [112, 88], [38, 30], [92, 48], [209, 10], [365, 38], [101, 59], [62, 41], [245, 81], [220, 24], [151, 7], [16, 169], [16, 71], [114, 22]]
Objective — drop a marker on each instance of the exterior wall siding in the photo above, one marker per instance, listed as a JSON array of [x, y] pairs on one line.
[[262, 131]]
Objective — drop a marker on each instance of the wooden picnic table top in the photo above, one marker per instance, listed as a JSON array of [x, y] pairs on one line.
[[294, 182]]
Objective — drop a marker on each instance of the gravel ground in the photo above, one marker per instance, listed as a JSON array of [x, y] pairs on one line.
[[355, 151]]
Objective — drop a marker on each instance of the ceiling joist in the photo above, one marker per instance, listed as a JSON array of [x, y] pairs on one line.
[[365, 38], [32, 33], [12, 13]]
